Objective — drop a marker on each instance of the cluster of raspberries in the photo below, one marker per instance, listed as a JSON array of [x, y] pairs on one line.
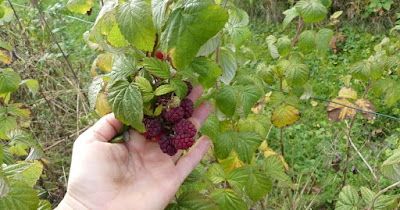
[[172, 129]]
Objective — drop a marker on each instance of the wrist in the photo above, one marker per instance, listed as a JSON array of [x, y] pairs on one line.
[[69, 202]]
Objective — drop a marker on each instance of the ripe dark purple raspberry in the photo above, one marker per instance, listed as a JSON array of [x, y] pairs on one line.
[[183, 141], [188, 107], [185, 127], [166, 145], [189, 86], [174, 115], [153, 128]]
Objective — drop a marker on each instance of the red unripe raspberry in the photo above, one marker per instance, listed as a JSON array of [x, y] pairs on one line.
[[166, 145], [153, 128], [185, 127], [183, 141], [159, 55], [189, 86], [174, 115], [188, 107]]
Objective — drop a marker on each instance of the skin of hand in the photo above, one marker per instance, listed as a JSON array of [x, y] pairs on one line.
[[132, 175]]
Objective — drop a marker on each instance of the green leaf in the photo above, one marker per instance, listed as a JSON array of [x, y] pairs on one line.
[[9, 81], [80, 6], [311, 11], [7, 124], [245, 144], [127, 104], [284, 46], [227, 61], [32, 84], [393, 94], [164, 89], [181, 88], [266, 73], [250, 95], [227, 199], [157, 67], [348, 199], [210, 127], [361, 71], [136, 24], [326, 3], [143, 84], [22, 137], [194, 200], [204, 20], [159, 13], [29, 173], [223, 145], [226, 100], [207, 70], [274, 167], [307, 40], [210, 46], [290, 14], [382, 202], [239, 176], [377, 68], [381, 85], [123, 67], [216, 173], [115, 37], [19, 110], [391, 167], [257, 185], [273, 50], [322, 40], [4, 186], [44, 205], [2, 12], [237, 16], [21, 196], [297, 74], [239, 34], [285, 115]]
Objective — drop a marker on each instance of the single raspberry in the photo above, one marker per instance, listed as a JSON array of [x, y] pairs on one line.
[[159, 55], [185, 127], [174, 114], [189, 86], [183, 141], [166, 145], [188, 107], [153, 129]]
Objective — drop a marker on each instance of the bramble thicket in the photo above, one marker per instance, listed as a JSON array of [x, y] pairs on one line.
[[305, 96]]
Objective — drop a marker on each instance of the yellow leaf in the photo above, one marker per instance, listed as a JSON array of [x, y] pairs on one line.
[[19, 110], [232, 162], [102, 105], [337, 112], [104, 62], [285, 115], [366, 105], [5, 57], [314, 103], [347, 92]]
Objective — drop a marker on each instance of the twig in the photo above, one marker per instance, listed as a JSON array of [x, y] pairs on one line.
[[369, 86], [380, 193], [365, 161], [282, 149], [22, 28], [347, 151]]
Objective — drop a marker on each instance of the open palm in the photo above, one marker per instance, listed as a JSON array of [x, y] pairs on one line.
[[131, 175]]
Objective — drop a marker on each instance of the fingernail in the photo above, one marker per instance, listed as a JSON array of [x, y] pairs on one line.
[[126, 136]]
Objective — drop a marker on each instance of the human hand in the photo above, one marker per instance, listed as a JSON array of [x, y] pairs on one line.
[[132, 175]]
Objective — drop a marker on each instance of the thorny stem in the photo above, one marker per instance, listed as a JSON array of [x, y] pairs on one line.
[[282, 149], [301, 22]]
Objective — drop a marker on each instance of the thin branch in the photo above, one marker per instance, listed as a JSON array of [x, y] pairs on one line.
[[365, 161], [282, 149], [380, 193], [369, 86], [301, 22], [22, 28], [347, 151]]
